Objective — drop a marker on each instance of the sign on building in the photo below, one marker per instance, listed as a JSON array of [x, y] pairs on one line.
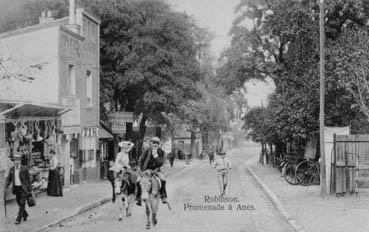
[[118, 121]]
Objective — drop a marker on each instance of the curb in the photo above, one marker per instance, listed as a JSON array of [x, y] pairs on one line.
[[88, 207], [278, 204], [79, 211]]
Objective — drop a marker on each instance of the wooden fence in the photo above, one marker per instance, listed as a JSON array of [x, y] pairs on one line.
[[350, 163]]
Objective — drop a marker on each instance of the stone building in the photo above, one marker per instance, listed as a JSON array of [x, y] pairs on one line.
[[56, 64]]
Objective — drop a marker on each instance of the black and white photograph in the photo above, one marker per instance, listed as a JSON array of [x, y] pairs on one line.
[[184, 115]]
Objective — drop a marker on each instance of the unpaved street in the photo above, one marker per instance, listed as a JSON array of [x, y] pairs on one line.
[[253, 211]]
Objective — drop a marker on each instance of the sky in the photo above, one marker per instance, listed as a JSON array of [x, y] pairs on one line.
[[218, 15]]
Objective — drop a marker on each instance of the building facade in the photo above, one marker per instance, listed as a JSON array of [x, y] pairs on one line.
[[56, 63]]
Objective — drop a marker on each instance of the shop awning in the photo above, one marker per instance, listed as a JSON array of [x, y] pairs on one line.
[[104, 132], [23, 110]]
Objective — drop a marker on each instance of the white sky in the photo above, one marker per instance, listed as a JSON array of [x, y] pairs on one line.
[[218, 15]]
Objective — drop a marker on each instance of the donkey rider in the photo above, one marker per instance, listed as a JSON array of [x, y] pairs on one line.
[[151, 159], [121, 163]]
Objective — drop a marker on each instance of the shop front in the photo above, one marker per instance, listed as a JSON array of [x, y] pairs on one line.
[[32, 131], [106, 149]]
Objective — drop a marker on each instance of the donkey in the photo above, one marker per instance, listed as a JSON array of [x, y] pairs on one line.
[[127, 189], [150, 186]]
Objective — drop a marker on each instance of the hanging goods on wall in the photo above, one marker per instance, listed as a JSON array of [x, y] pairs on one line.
[[37, 137], [28, 135]]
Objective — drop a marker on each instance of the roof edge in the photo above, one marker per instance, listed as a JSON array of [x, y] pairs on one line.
[[55, 23]]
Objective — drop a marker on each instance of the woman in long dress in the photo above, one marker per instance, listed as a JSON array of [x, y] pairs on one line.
[[54, 186]]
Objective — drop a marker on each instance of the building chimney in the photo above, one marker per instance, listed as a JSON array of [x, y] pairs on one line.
[[72, 18], [72, 12]]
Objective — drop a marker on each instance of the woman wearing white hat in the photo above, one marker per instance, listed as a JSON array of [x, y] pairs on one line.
[[122, 160]]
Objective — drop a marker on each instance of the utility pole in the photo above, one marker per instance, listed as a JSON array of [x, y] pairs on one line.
[[321, 108]]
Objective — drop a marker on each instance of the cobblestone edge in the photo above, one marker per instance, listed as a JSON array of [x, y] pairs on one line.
[[272, 196]]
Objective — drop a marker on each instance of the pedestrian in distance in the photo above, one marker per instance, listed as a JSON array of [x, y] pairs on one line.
[[54, 186], [171, 157], [21, 186], [223, 167], [187, 157], [211, 157]]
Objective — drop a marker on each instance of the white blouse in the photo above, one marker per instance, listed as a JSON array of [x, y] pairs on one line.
[[122, 160], [53, 162]]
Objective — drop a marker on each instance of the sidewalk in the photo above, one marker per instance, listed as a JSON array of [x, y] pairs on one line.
[[311, 211], [76, 200]]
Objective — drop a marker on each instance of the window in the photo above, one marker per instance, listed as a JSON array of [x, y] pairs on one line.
[[72, 79], [89, 87]]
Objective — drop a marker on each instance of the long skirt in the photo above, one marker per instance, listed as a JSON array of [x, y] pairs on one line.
[[54, 186]]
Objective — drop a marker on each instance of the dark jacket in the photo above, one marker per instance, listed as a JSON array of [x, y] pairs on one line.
[[24, 179], [147, 157]]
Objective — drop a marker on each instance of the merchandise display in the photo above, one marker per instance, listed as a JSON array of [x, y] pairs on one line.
[[33, 139]]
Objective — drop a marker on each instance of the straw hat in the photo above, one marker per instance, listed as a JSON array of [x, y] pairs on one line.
[[17, 156], [155, 139], [126, 145]]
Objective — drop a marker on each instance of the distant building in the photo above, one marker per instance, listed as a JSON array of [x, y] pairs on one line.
[[182, 139]]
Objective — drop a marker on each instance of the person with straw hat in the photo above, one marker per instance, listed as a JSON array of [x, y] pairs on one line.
[[121, 163], [223, 167], [21, 186], [153, 159]]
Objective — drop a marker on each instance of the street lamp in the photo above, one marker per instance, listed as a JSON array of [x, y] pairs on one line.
[[321, 108]]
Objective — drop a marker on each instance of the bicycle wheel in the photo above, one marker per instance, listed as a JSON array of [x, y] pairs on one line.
[[290, 176], [305, 172]]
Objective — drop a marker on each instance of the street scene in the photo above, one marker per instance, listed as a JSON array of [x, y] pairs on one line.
[[184, 115], [192, 186]]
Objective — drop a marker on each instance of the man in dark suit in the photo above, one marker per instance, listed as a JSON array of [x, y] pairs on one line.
[[21, 186], [153, 158]]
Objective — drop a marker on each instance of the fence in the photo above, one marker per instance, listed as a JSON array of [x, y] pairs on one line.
[[350, 163]]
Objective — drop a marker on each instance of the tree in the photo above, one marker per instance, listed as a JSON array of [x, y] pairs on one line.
[[351, 65], [148, 57], [279, 40]]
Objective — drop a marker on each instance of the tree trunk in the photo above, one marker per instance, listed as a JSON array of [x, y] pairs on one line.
[[261, 158], [193, 143], [271, 152], [141, 134], [205, 139]]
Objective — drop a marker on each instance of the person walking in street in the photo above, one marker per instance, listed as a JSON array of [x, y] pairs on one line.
[[187, 157], [171, 156], [211, 157], [54, 186], [223, 166], [21, 186], [153, 159]]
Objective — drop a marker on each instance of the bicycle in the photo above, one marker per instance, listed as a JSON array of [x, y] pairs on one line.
[[289, 165], [308, 172]]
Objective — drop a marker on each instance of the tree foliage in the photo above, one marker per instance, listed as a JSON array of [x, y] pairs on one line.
[[147, 56], [279, 39], [351, 65]]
